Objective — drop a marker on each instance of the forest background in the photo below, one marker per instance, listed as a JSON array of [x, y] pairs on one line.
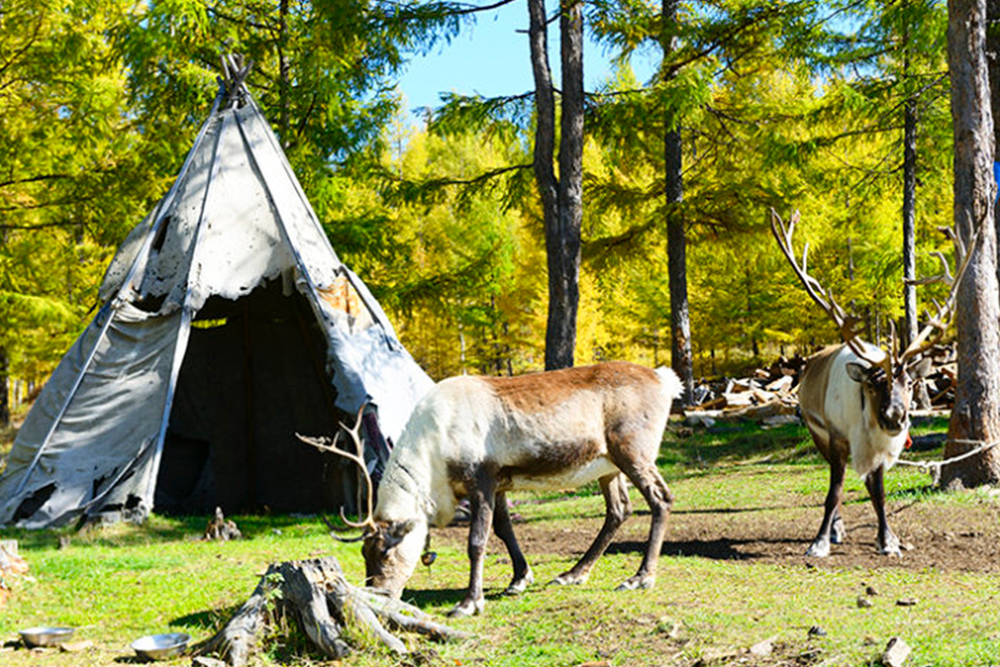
[[791, 105]]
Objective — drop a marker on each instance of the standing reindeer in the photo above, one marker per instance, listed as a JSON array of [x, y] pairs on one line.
[[480, 437], [855, 397]]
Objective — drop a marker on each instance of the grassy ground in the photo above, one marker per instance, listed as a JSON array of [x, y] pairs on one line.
[[709, 606]]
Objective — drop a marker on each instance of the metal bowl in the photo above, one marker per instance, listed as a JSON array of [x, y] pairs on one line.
[[45, 636], [160, 647]]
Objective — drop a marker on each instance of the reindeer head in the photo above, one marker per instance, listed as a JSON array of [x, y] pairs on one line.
[[392, 550], [887, 393]]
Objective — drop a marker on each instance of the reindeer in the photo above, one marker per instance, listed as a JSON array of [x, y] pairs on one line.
[[855, 397], [482, 437]]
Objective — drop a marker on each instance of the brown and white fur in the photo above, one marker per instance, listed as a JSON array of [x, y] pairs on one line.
[[854, 411], [480, 437]]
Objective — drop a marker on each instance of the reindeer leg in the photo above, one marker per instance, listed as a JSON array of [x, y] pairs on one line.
[[888, 543], [650, 483], [481, 501], [505, 531], [820, 548], [618, 509]]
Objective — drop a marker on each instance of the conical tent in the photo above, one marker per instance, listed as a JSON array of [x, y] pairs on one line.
[[227, 325]]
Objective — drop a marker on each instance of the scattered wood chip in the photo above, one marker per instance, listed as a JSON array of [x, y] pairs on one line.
[[907, 602]]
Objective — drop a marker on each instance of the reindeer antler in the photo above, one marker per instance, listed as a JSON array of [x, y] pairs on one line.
[[847, 323], [938, 322], [324, 444]]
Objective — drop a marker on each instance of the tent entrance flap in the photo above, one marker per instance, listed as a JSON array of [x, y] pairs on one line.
[[254, 375]]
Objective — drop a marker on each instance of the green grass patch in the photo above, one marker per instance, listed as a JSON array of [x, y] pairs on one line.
[[116, 583]]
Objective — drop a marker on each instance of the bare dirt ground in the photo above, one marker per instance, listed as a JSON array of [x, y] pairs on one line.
[[946, 537]]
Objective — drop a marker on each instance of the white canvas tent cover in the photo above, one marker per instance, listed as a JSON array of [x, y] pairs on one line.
[[207, 354]]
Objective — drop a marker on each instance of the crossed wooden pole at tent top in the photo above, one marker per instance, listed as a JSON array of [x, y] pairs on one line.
[[233, 79]]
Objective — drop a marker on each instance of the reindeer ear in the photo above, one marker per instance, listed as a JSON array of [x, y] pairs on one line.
[[396, 531], [857, 372], [401, 528], [920, 369]]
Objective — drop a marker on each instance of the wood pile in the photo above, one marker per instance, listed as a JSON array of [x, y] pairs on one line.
[[770, 395]]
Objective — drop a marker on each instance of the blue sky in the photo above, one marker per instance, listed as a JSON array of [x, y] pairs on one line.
[[491, 58]]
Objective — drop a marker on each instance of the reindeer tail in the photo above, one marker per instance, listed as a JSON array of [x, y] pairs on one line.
[[672, 386]]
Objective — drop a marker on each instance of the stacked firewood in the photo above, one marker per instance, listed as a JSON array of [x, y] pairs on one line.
[[770, 395]]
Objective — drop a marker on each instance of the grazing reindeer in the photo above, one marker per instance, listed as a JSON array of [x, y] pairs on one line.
[[855, 398], [480, 437]]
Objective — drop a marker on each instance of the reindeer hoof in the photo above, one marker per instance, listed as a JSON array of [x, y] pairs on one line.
[[518, 586], [467, 608], [568, 579], [890, 547], [636, 583], [819, 549]]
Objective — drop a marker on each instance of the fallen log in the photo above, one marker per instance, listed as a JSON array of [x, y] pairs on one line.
[[315, 596]]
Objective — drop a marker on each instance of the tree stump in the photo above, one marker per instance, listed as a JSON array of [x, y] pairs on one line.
[[315, 595], [221, 529]]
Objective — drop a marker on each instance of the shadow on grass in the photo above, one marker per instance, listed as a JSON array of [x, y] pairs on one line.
[[210, 619], [427, 597], [719, 549]]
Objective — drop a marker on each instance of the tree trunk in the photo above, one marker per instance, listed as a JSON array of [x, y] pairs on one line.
[[561, 198], [680, 321], [910, 324], [993, 63], [563, 243], [284, 75], [4, 398], [976, 414], [909, 218]]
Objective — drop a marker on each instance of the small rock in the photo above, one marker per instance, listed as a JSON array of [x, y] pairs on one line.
[[863, 602], [870, 590], [668, 627], [76, 647], [896, 653], [816, 631], [907, 602], [764, 648]]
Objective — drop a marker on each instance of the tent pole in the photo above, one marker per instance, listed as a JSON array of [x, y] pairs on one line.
[[184, 332]]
